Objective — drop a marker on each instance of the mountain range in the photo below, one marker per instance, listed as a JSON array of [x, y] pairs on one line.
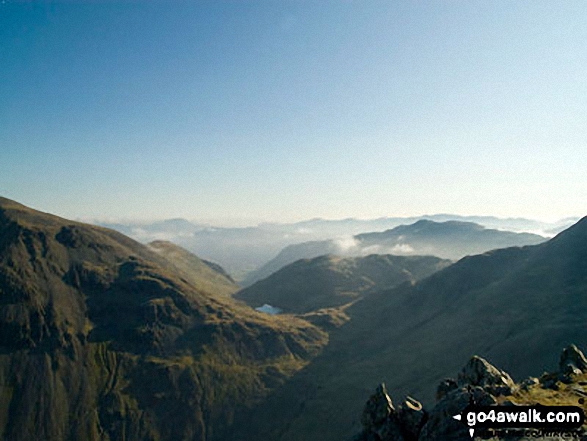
[[241, 250], [514, 306], [448, 240], [104, 338]]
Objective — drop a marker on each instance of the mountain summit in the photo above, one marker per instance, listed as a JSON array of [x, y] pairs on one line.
[[331, 281]]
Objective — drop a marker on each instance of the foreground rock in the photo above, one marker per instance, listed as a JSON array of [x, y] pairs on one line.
[[381, 421], [479, 383], [572, 361]]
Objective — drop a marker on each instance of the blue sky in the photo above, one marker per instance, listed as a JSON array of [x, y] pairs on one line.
[[281, 111]]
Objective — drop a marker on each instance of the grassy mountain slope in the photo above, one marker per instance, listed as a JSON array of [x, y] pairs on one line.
[[204, 275], [447, 240], [515, 306], [103, 339], [331, 281]]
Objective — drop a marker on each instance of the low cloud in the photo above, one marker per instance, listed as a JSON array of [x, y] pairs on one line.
[[347, 245], [400, 249]]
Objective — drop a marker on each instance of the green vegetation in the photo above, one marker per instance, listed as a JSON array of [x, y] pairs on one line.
[[571, 394], [102, 338]]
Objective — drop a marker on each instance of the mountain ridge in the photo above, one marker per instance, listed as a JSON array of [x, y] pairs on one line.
[[448, 240], [203, 274], [332, 281], [244, 249], [101, 338]]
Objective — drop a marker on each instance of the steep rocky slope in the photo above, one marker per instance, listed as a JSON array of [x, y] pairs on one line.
[[103, 339]]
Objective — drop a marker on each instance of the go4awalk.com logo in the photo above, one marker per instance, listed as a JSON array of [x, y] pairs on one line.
[[550, 418]]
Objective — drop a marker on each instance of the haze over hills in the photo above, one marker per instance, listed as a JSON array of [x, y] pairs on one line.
[[101, 338], [330, 281], [514, 306], [448, 240], [242, 250]]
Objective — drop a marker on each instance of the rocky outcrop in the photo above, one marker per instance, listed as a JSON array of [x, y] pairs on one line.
[[441, 425], [378, 409], [411, 418], [381, 421], [479, 383], [572, 361], [479, 372]]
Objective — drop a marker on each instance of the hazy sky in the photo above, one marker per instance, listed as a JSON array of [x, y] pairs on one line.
[[289, 110]]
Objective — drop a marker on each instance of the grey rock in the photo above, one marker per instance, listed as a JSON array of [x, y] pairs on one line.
[[479, 372], [411, 416], [528, 383], [572, 361], [549, 381], [391, 430], [478, 384], [441, 425], [445, 387], [377, 409], [382, 422]]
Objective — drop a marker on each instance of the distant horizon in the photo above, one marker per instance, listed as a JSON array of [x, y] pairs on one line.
[[252, 112], [237, 223], [240, 223], [244, 223]]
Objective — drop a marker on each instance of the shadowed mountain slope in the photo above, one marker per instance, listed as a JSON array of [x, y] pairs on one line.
[[448, 240], [103, 339], [331, 281], [515, 306]]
